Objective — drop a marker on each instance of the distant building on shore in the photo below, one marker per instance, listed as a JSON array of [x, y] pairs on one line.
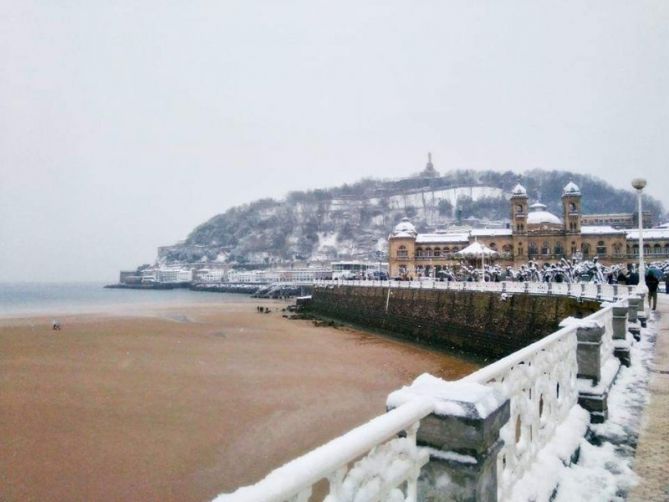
[[534, 234]]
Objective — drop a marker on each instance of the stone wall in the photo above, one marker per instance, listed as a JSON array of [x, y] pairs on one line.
[[481, 323]]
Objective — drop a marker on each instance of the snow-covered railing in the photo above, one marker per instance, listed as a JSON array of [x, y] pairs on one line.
[[589, 290], [540, 382], [388, 470]]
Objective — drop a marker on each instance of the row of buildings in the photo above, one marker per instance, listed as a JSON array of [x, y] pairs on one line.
[[533, 234], [148, 275]]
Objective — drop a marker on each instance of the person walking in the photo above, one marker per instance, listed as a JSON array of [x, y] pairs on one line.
[[652, 282]]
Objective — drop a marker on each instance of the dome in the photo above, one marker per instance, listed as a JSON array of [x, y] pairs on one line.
[[519, 190], [571, 188], [539, 215], [404, 229]]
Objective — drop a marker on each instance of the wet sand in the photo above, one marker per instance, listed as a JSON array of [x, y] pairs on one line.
[[183, 403]]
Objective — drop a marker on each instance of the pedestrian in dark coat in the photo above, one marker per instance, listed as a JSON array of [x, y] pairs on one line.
[[633, 277], [652, 282]]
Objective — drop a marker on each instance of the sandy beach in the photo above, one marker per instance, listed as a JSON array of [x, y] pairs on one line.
[[183, 403]]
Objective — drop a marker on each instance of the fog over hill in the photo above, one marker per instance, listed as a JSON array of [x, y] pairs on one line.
[[353, 221]]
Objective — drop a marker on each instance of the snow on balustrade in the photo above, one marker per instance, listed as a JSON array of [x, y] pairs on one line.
[[540, 381], [591, 290], [389, 463], [605, 317]]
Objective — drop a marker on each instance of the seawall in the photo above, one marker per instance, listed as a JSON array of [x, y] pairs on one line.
[[482, 323]]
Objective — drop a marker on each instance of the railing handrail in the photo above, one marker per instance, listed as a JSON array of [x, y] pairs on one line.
[[605, 292], [302, 472], [492, 370]]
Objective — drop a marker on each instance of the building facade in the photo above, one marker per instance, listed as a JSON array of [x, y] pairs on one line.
[[534, 234]]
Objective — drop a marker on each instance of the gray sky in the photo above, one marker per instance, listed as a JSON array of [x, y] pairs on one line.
[[123, 126]]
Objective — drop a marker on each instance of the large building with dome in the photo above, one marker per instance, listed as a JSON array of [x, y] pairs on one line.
[[533, 234]]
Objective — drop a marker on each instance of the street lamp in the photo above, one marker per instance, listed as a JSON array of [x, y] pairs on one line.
[[639, 184]]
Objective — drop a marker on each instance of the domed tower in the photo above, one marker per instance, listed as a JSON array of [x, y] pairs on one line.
[[519, 207], [519, 204], [571, 208], [401, 248]]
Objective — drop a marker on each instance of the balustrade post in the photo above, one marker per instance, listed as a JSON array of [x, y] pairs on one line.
[[592, 396], [550, 288], [632, 309], [621, 348], [527, 287], [599, 291], [615, 293], [641, 309], [462, 436], [583, 289]]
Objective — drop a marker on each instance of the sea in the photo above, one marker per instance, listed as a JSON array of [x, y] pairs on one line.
[[53, 298]]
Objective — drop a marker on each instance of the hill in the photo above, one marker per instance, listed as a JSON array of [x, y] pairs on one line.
[[352, 221]]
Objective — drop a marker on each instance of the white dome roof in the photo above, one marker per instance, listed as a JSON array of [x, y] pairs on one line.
[[539, 215], [571, 188], [404, 229], [519, 190]]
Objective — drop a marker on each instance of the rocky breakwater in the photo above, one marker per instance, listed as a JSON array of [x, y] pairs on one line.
[[482, 323]]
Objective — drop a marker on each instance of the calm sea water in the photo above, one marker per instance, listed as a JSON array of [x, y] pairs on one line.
[[85, 297]]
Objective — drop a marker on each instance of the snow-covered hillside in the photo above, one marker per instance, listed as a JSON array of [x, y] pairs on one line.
[[353, 221]]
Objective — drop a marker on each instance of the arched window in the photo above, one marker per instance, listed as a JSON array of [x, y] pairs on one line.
[[447, 250], [617, 248], [519, 209], [557, 249], [419, 252], [573, 247], [545, 248], [601, 248], [402, 252], [657, 249], [532, 248], [635, 249], [572, 207], [428, 252], [585, 249], [493, 246], [437, 251], [666, 249], [507, 248], [646, 249]]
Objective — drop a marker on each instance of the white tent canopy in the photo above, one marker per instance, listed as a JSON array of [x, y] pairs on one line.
[[476, 250]]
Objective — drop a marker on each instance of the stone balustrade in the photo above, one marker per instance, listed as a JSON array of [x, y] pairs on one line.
[[590, 290]]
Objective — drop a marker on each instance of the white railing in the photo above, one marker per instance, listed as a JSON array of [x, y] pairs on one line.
[[589, 290], [540, 382], [388, 471]]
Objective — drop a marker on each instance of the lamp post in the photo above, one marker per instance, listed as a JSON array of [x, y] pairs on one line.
[[639, 184]]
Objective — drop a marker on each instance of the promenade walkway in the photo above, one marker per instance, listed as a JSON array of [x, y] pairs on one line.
[[652, 455]]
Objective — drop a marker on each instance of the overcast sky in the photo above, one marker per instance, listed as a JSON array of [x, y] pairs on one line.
[[125, 124]]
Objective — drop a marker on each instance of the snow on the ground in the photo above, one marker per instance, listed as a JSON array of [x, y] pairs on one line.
[[604, 469]]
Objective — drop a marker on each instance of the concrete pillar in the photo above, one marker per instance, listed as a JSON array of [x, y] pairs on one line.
[[594, 400], [589, 336], [632, 308], [463, 437], [621, 348], [641, 309]]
